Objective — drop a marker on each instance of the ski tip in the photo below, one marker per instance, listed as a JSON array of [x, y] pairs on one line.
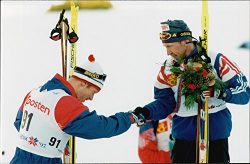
[[93, 4]]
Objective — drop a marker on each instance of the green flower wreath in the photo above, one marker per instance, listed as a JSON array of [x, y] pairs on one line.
[[196, 76]]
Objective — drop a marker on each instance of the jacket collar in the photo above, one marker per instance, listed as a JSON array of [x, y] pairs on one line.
[[66, 84], [191, 55]]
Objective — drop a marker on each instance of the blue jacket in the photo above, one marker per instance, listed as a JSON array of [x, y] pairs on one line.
[[220, 123]]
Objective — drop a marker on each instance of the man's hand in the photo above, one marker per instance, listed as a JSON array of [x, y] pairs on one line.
[[210, 93], [140, 115]]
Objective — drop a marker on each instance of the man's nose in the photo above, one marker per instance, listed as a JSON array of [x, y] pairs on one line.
[[91, 98], [169, 52]]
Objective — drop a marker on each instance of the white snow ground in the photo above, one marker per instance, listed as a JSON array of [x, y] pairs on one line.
[[125, 41]]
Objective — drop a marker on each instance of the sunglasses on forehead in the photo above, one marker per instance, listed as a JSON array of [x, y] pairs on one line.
[[166, 35], [90, 74]]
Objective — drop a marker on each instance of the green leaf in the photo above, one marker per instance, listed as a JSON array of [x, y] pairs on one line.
[[189, 101]]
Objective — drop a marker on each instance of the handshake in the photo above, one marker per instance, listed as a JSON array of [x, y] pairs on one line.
[[140, 115]]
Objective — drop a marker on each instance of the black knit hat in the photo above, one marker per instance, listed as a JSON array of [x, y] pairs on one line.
[[174, 31]]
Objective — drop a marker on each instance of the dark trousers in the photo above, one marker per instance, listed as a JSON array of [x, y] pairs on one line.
[[185, 151]]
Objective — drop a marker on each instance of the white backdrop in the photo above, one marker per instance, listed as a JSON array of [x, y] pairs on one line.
[[125, 41]]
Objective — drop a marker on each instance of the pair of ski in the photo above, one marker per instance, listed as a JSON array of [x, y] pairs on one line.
[[202, 137], [61, 32]]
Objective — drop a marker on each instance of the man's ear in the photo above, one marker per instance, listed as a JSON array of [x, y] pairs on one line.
[[183, 42], [188, 41], [83, 83]]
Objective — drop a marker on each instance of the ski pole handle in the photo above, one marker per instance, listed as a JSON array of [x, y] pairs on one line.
[[61, 17]]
